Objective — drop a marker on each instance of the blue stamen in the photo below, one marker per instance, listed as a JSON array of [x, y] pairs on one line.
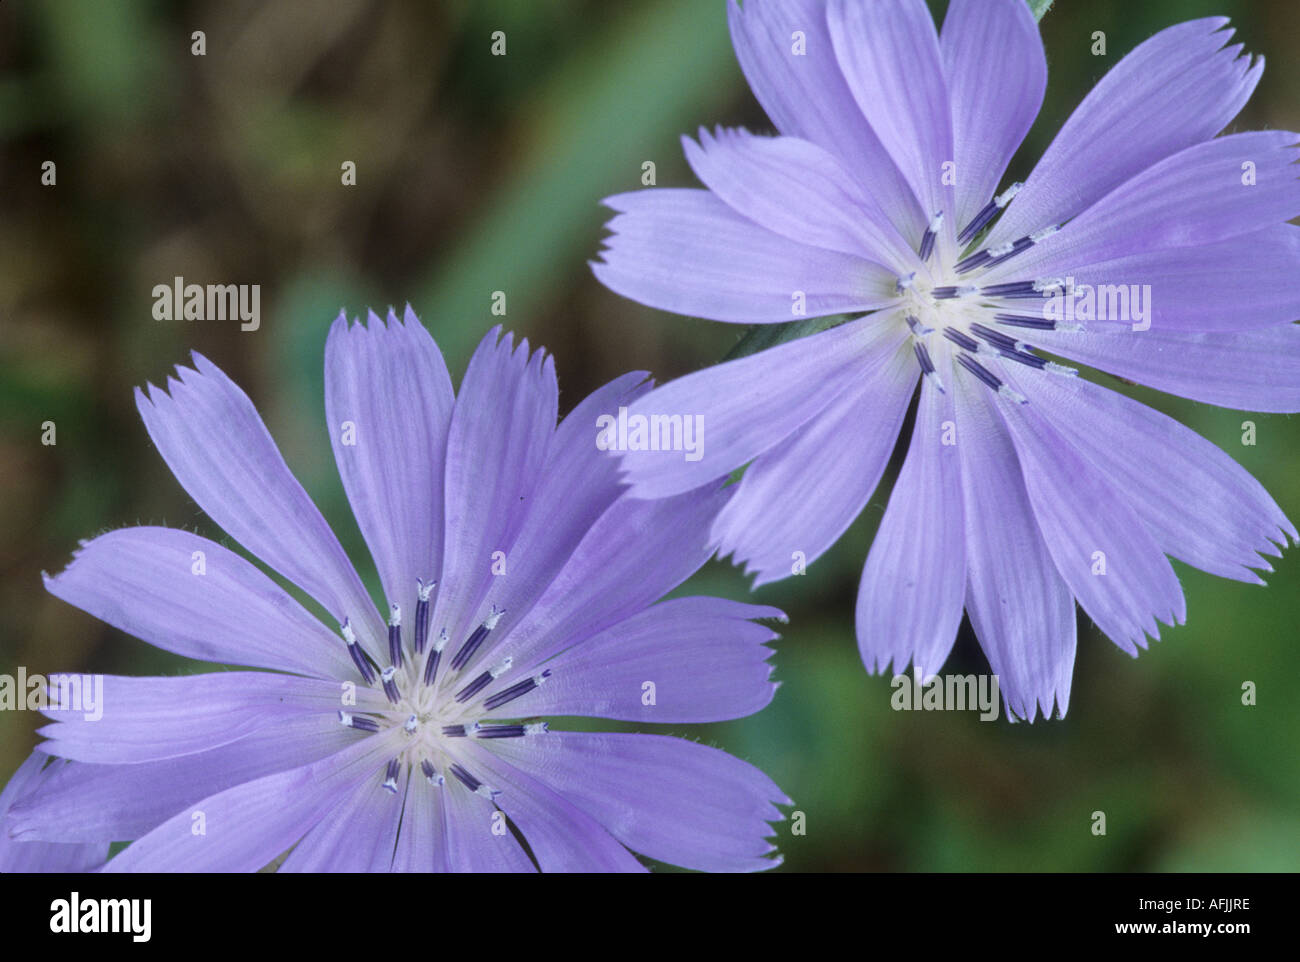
[[349, 720], [927, 239], [390, 686], [395, 636], [960, 339], [979, 370], [475, 639], [1025, 320], [515, 690], [423, 589]]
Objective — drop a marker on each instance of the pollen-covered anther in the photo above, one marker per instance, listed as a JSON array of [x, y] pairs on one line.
[[423, 589], [989, 379], [927, 239], [390, 685], [1002, 345], [1007, 251], [483, 680], [412, 725], [927, 365], [1025, 358], [500, 731], [997, 338], [395, 635], [435, 657], [349, 720], [905, 282], [512, 731], [515, 690], [989, 211], [476, 638], [472, 783], [948, 293], [359, 657], [431, 774], [1022, 289], [918, 329], [390, 776]]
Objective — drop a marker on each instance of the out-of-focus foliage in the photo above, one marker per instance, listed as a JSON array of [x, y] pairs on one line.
[[478, 173]]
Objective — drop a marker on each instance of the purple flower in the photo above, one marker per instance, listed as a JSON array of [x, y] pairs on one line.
[[522, 582], [1141, 244], [20, 856]]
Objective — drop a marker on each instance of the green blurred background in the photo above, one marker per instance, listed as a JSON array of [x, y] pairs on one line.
[[478, 173]]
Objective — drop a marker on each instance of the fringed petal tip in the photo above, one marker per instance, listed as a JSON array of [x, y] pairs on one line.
[[1052, 708]]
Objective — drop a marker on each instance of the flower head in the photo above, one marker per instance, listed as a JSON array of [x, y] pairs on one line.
[[520, 582], [1141, 244]]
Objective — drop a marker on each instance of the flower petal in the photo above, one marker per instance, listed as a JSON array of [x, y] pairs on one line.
[[670, 799], [634, 554], [151, 719], [1178, 88], [747, 406], [798, 190], [802, 494], [806, 96], [577, 485], [996, 73], [388, 401], [20, 856], [357, 835], [248, 826], [1020, 608], [500, 432], [1102, 549], [422, 842], [702, 659], [189, 595], [910, 598], [1250, 371], [1197, 196], [561, 837], [1199, 504], [477, 838], [211, 437], [687, 252], [1237, 284], [890, 56], [84, 803]]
